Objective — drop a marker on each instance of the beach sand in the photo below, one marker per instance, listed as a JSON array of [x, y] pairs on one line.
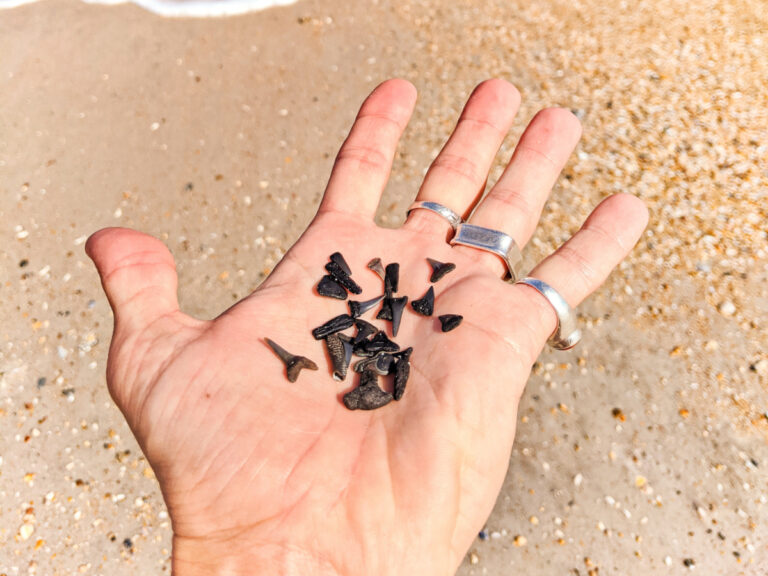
[[642, 451]]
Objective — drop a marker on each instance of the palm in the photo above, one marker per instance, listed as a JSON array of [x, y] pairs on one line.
[[247, 458]]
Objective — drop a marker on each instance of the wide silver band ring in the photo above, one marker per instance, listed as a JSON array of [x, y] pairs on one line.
[[453, 218], [566, 335], [492, 241]]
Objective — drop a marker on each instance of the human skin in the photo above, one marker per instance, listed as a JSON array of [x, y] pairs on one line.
[[262, 476]]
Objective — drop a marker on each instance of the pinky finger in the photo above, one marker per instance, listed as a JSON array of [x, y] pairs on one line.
[[583, 263]]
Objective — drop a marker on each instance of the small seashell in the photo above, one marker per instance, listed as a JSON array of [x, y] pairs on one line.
[[358, 308], [397, 307], [439, 269], [340, 350], [333, 325], [293, 363], [449, 321], [402, 370], [377, 267], [329, 287], [426, 305], [364, 329], [391, 279], [367, 396], [343, 278], [339, 260]]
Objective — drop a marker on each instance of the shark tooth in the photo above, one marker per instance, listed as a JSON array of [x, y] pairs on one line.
[[381, 364], [293, 363], [379, 343], [426, 305], [358, 308], [339, 260], [385, 313], [377, 267], [329, 287], [367, 396], [398, 305], [340, 350], [402, 370], [449, 321], [343, 278], [364, 329], [439, 269], [391, 279], [333, 325]]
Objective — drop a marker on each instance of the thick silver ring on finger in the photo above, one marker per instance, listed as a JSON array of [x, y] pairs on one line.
[[453, 218], [492, 241], [566, 335]]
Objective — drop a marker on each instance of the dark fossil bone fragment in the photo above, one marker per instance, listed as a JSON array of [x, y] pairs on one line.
[[339, 259], [381, 364], [343, 278], [333, 325], [364, 329], [402, 370], [391, 279], [293, 363], [439, 269], [358, 308], [340, 350], [329, 287], [449, 321], [385, 313], [377, 267], [367, 396], [397, 306], [425, 305], [379, 343]]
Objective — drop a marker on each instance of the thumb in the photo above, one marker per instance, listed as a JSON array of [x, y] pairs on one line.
[[138, 275]]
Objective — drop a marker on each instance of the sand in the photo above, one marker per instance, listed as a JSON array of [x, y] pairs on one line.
[[643, 451]]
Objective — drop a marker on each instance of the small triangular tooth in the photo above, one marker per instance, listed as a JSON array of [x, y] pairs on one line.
[[426, 304], [398, 305], [339, 259], [377, 267], [391, 279], [439, 269], [294, 364], [449, 321], [364, 330], [343, 278], [359, 308], [402, 369], [329, 287], [385, 313]]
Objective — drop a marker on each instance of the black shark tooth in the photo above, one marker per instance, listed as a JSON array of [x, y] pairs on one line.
[[379, 343], [358, 308], [339, 259], [329, 287], [449, 321], [364, 329], [367, 396], [402, 370], [293, 363], [386, 309], [397, 306], [381, 364], [426, 305], [439, 269], [343, 278], [391, 279], [333, 325], [377, 267], [340, 350]]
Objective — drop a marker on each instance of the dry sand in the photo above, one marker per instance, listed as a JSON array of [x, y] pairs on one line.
[[642, 450]]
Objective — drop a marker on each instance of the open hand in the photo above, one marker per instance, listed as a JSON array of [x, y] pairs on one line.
[[262, 476]]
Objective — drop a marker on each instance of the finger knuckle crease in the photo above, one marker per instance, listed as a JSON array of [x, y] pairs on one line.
[[458, 165], [580, 264], [362, 157]]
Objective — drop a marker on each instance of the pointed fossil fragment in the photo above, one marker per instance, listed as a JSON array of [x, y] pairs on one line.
[[391, 279], [293, 363], [397, 306], [425, 305], [402, 370], [343, 278], [333, 325], [329, 287], [339, 260], [377, 267], [381, 364], [385, 313], [357, 308], [367, 396], [364, 329], [449, 321], [439, 269], [379, 343], [340, 350]]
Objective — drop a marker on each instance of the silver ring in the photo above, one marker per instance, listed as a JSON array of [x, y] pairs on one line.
[[566, 335], [443, 211], [493, 241]]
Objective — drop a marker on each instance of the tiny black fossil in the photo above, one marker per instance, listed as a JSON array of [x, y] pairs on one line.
[[402, 370], [449, 321], [385, 313], [377, 267], [333, 325], [379, 343], [293, 363], [367, 396], [364, 329], [426, 305], [340, 350], [391, 279], [343, 278], [439, 269], [397, 306], [339, 259], [381, 364], [357, 308], [329, 287]]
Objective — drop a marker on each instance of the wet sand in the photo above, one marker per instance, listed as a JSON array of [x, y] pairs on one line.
[[644, 450]]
